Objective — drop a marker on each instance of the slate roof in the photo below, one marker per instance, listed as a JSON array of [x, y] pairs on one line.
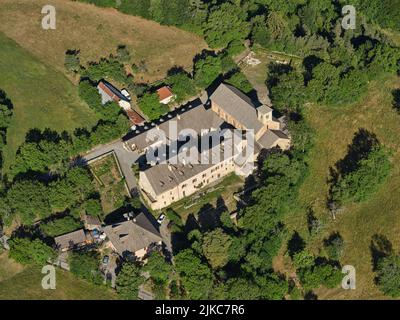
[[132, 235], [238, 105], [194, 118], [164, 177], [268, 139], [70, 240], [109, 93]]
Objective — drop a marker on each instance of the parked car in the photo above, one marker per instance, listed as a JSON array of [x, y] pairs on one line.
[[106, 259], [161, 218]]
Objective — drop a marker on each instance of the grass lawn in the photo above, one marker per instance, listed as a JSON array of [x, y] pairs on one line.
[[42, 97], [110, 183], [225, 189], [17, 282], [97, 32]]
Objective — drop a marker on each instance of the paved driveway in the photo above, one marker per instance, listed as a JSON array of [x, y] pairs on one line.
[[126, 159]]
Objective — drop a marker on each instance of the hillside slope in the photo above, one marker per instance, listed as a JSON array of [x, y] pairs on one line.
[[97, 32], [42, 97]]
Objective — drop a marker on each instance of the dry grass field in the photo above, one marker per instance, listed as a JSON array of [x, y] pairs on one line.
[[18, 282], [380, 215], [97, 32]]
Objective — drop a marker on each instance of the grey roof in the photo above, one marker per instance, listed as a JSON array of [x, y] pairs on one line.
[[268, 139], [109, 93], [166, 176], [69, 240], [237, 105], [195, 118], [132, 235]]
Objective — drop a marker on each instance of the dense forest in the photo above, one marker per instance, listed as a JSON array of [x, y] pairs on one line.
[[223, 260]]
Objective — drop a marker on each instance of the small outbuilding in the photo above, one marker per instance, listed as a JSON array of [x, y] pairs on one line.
[[165, 95]]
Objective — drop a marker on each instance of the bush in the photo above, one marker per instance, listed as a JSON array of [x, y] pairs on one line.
[[388, 275], [85, 265], [128, 281], [26, 251], [240, 81], [182, 85], [60, 226], [334, 246], [151, 106], [72, 62], [365, 180]]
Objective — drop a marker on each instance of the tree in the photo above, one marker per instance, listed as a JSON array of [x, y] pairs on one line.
[[240, 81], [288, 93], [128, 281], [225, 24], [182, 85], [28, 199], [334, 246], [123, 54], [27, 251], [216, 245], [107, 112], [365, 179], [388, 275], [72, 62], [206, 70], [60, 226], [170, 12], [149, 103], [322, 274], [158, 268], [396, 100], [242, 289], [136, 8], [197, 278], [93, 207], [85, 265], [318, 16]]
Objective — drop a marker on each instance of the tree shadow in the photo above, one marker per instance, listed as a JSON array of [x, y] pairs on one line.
[[4, 100], [177, 70], [36, 135], [313, 223], [361, 145], [274, 71], [209, 217], [310, 295], [396, 99], [380, 248], [309, 63], [296, 244]]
